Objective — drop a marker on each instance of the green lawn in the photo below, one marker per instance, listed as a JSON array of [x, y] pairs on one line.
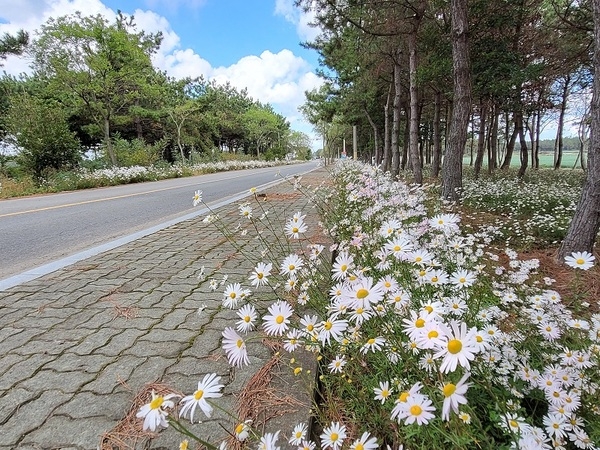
[[546, 160]]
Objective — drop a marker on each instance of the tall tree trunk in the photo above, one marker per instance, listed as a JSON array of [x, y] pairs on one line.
[[535, 146], [387, 152], [405, 156], [472, 141], [437, 137], [510, 147], [558, 144], [375, 137], [413, 147], [493, 145], [481, 138], [396, 116], [452, 167], [108, 142], [583, 231], [524, 154]]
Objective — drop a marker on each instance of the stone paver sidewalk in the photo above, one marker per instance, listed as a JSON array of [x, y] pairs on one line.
[[78, 344]]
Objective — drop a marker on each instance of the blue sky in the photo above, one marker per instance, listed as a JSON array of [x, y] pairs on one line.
[[253, 44]]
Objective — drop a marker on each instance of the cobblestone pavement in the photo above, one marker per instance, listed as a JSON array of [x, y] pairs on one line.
[[77, 345]]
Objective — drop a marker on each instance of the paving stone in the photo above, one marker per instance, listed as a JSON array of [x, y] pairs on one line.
[[173, 319], [121, 342], [62, 432], [151, 370], [11, 401], [40, 345], [70, 362], [87, 405], [31, 416], [168, 349], [23, 370], [95, 340], [114, 374], [65, 382]]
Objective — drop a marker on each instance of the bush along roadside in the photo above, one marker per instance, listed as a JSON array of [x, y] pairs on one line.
[[427, 336]]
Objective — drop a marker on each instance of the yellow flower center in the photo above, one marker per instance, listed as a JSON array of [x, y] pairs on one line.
[[343, 267], [403, 397], [397, 248], [419, 323], [297, 370], [156, 402], [454, 346], [328, 325], [432, 334], [555, 426], [580, 261], [334, 437], [310, 327], [422, 273], [359, 446], [362, 293], [279, 320], [232, 295], [462, 280], [514, 424], [479, 339], [360, 311], [387, 284], [418, 259], [247, 319], [434, 279], [429, 309], [292, 267], [239, 343], [449, 389], [416, 410], [385, 393], [260, 275], [239, 428], [295, 230], [371, 341], [198, 394]]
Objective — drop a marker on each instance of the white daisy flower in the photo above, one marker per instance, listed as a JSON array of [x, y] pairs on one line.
[[383, 391], [260, 274], [154, 413], [298, 434], [197, 198], [580, 260], [333, 436], [208, 387], [235, 348], [454, 395], [277, 321], [458, 347], [247, 315]]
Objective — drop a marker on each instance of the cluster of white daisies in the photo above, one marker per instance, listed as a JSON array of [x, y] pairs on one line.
[[439, 309]]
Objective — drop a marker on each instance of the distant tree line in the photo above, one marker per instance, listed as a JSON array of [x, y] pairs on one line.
[[93, 86]]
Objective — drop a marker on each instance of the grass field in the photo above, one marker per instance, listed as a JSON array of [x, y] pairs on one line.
[[546, 160]]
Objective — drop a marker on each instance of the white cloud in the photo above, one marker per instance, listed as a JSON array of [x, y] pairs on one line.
[[301, 19]]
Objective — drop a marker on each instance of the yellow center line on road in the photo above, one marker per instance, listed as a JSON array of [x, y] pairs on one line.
[[67, 205]]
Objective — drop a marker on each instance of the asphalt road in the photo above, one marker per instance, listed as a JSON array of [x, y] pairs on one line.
[[35, 231]]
